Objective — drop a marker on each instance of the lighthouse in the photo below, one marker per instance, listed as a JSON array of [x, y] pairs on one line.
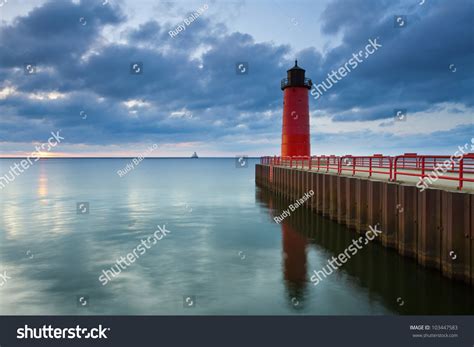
[[295, 139]]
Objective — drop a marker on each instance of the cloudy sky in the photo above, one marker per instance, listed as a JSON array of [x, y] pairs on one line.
[[189, 96]]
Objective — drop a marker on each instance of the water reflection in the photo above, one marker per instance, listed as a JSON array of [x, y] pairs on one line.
[[201, 257], [293, 257], [398, 283], [42, 184], [294, 263]]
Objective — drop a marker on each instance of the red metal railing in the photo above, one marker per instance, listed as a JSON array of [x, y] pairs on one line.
[[429, 168], [376, 164]]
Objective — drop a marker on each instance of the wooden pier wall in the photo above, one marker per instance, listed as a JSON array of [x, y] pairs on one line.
[[435, 227]]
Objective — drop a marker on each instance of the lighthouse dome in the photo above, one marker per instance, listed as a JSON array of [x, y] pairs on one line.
[[296, 78]]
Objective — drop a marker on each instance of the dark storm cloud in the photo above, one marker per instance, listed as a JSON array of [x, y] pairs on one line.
[[58, 32], [97, 77], [194, 73], [411, 70]]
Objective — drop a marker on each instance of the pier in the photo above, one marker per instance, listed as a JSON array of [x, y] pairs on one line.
[[424, 204], [432, 225]]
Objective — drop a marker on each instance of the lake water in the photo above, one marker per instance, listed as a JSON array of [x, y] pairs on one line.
[[223, 254]]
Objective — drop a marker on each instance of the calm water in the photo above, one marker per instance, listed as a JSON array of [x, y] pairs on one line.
[[223, 251]]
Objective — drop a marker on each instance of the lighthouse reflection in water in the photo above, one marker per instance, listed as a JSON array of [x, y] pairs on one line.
[[376, 280]]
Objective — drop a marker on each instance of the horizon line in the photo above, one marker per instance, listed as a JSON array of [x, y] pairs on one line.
[[43, 158]]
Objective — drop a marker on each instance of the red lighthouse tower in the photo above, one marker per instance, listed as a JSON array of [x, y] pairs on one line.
[[295, 139]]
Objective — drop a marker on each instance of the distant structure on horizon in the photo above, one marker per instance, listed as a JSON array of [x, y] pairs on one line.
[[194, 156], [295, 138]]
